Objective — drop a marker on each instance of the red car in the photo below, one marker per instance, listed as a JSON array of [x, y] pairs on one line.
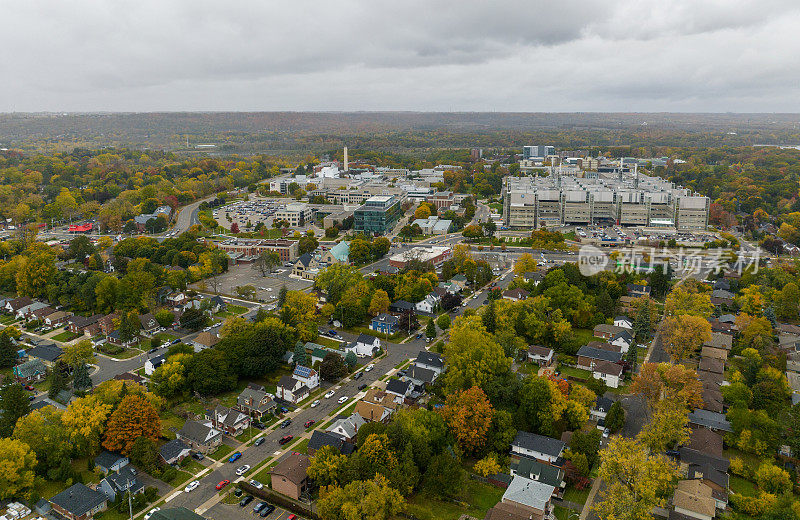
[[286, 438], [223, 483], [291, 517], [309, 423], [29, 388]]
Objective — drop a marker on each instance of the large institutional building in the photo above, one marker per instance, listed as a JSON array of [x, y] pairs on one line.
[[629, 199]]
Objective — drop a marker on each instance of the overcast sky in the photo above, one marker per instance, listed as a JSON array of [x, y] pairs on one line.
[[428, 55]]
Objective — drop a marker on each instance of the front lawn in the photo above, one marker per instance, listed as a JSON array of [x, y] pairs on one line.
[[328, 342], [478, 497], [179, 478], [125, 354], [221, 453], [577, 373], [170, 423], [65, 336], [301, 447]]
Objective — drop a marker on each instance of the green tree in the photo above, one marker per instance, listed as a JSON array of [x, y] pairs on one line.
[[58, 381], [430, 329], [444, 477], [282, 296], [350, 360], [332, 367], [407, 476], [208, 373], [615, 418], [77, 354], [8, 353], [45, 433], [144, 454], [13, 405], [443, 322], [300, 355], [474, 357], [81, 380], [258, 349], [193, 319], [327, 466]]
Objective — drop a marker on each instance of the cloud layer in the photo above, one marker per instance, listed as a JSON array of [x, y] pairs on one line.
[[535, 55]]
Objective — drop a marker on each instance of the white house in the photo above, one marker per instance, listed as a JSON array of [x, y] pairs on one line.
[[430, 361], [152, 364], [398, 388], [291, 390], [539, 447], [610, 373], [543, 356], [429, 304], [624, 322], [364, 346], [623, 339], [600, 409], [347, 428], [307, 376]]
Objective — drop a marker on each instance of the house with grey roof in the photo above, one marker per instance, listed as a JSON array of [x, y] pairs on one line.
[[347, 427], [47, 353], [79, 502], [108, 462], [532, 469], [587, 357], [711, 420], [174, 451], [539, 447], [401, 389], [200, 437], [524, 498], [364, 346], [30, 371], [116, 484], [228, 420], [255, 401], [419, 376], [430, 360], [320, 439]]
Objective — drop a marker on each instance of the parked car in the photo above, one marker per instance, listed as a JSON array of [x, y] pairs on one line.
[[196, 455], [259, 425], [223, 483], [191, 486], [342, 399], [358, 375], [286, 423], [286, 438], [362, 386], [150, 513], [235, 456], [258, 507], [369, 367], [329, 394], [309, 422], [332, 333], [256, 484], [284, 409], [242, 470], [269, 508], [259, 441], [315, 404], [246, 500]]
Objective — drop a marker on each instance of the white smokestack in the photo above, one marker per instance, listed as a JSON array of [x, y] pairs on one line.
[[346, 166]]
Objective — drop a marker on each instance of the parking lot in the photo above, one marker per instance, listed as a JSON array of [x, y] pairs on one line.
[[267, 287], [252, 211], [223, 511]]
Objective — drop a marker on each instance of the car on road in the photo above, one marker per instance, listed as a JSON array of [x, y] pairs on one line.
[[286, 423], [242, 470], [246, 500], [150, 513], [284, 409], [329, 394], [291, 517], [362, 386], [175, 341], [286, 438], [342, 399], [191, 485], [309, 422], [358, 375], [269, 508], [256, 484], [206, 329], [259, 441], [235, 456], [223, 483], [369, 367], [315, 403], [419, 335]]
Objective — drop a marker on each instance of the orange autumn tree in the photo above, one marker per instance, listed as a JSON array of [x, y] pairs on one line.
[[665, 381], [469, 414], [133, 418]]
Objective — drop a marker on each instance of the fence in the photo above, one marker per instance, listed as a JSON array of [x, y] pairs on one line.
[[280, 500]]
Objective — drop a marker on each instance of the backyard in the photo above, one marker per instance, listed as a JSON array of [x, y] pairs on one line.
[[477, 499]]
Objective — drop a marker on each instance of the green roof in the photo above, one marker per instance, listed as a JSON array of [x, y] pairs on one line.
[[535, 470]]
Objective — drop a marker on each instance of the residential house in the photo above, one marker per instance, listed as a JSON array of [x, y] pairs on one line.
[[534, 277], [720, 340], [706, 441], [41, 313], [30, 371], [149, 323], [289, 477], [320, 439], [401, 307], [376, 405], [347, 427], [364, 346], [711, 470], [291, 390], [419, 377], [588, 357], [515, 295], [604, 345], [532, 469], [430, 360], [204, 340], [624, 322], [115, 338], [218, 304], [714, 353], [544, 449], [401, 389], [623, 339], [385, 324], [429, 304], [451, 287], [153, 363], [88, 325], [176, 299], [711, 420], [200, 437], [693, 498], [174, 451], [610, 373], [600, 409], [228, 420], [606, 331], [106, 323], [707, 377], [109, 462], [47, 353], [524, 498], [116, 484], [56, 318], [78, 502], [255, 401], [307, 376], [13, 305], [543, 356], [712, 365], [637, 290], [722, 297], [712, 399], [26, 312]]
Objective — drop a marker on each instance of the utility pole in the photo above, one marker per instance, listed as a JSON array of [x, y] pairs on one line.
[[130, 500]]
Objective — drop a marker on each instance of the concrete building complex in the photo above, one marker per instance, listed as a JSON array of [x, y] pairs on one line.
[[378, 215], [296, 214], [613, 198], [248, 249]]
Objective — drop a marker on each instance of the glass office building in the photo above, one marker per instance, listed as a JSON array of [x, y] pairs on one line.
[[378, 215]]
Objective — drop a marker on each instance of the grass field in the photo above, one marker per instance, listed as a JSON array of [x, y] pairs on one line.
[[7, 320], [742, 486], [478, 498], [65, 336], [578, 496], [221, 453], [577, 373], [328, 342]]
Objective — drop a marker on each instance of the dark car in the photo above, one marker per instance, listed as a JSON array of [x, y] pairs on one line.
[[246, 500], [286, 423], [286, 438], [358, 375], [259, 425], [332, 333], [284, 409], [197, 455], [266, 510], [259, 441], [362, 386], [258, 507], [175, 342]]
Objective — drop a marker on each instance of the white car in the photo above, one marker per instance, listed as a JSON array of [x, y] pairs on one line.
[[269, 289], [148, 515], [315, 404], [192, 485], [342, 399], [369, 367], [242, 470], [256, 484], [329, 394]]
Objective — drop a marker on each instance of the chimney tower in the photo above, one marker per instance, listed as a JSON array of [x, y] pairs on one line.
[[346, 165]]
